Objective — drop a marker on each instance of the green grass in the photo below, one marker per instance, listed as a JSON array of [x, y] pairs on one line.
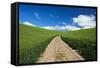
[[34, 40], [84, 41]]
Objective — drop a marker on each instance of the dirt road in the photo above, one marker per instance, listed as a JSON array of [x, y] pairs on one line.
[[58, 50]]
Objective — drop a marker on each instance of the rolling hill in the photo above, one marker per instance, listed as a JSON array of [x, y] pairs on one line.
[[84, 41], [34, 40]]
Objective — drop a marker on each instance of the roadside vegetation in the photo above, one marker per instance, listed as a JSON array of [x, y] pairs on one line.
[[34, 40], [83, 41]]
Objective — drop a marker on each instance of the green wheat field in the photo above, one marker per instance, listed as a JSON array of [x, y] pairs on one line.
[[34, 40]]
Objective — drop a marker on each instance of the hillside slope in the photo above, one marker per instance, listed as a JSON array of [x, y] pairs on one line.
[[84, 41], [33, 41]]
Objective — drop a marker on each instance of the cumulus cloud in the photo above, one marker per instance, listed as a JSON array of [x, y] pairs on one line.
[[37, 15], [70, 27], [28, 23], [54, 27], [85, 21], [65, 27]]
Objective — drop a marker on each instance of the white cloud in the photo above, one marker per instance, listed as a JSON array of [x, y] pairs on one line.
[[54, 27], [65, 27], [37, 15], [85, 21], [63, 23], [70, 27], [28, 23]]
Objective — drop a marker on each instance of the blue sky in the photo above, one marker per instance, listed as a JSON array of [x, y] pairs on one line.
[[57, 18]]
